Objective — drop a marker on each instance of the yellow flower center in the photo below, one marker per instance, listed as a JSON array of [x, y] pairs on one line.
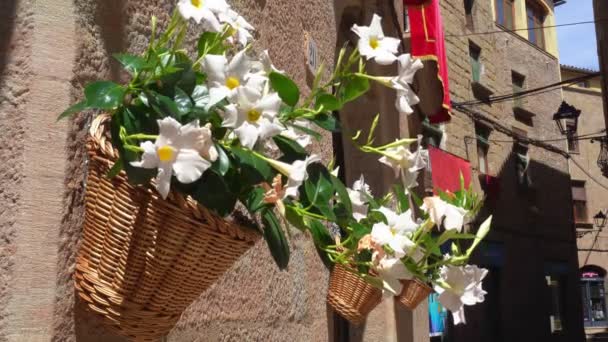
[[165, 153], [231, 30], [232, 82], [197, 3], [253, 115], [374, 43]]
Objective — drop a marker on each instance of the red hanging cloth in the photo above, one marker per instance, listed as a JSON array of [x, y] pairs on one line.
[[446, 170], [428, 44]]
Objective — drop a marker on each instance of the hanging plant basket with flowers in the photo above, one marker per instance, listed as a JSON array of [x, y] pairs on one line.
[[199, 155]]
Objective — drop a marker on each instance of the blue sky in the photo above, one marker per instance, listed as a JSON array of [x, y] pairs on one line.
[[577, 44]]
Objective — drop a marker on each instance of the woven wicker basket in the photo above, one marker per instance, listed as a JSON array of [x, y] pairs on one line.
[[413, 293], [350, 296], [143, 259]]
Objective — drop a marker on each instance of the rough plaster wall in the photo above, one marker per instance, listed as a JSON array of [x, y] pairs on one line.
[[16, 26], [253, 301]]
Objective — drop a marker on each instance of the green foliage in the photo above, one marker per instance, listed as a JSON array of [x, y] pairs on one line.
[[210, 43], [352, 88], [328, 102], [327, 122], [275, 238], [213, 192], [292, 151], [133, 64], [285, 87], [253, 169]]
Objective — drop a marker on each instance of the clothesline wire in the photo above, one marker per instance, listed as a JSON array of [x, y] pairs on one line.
[[588, 136], [524, 29], [548, 87]]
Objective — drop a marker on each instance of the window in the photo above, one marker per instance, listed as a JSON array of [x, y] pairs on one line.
[[518, 81], [572, 140], [505, 13], [536, 19], [475, 60], [406, 20], [594, 296], [556, 303], [584, 84], [482, 133], [432, 133], [579, 202], [468, 6]]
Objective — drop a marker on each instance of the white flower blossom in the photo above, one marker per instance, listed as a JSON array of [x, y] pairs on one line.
[[392, 271], [253, 116], [395, 234], [302, 139], [359, 195], [401, 83], [225, 77], [296, 173], [239, 29], [374, 45], [440, 211], [464, 288], [175, 153], [204, 11], [405, 162]]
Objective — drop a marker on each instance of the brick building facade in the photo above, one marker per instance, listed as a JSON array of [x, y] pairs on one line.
[[531, 252]]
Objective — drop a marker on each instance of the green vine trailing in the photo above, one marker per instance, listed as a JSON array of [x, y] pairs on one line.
[[206, 125]]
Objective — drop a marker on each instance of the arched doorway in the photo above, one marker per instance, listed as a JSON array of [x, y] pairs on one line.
[[593, 291]]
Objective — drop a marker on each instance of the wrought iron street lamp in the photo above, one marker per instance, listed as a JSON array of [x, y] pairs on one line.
[[566, 119], [599, 220]]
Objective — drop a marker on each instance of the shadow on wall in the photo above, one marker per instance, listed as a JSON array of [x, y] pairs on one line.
[[598, 337], [8, 13], [532, 237]]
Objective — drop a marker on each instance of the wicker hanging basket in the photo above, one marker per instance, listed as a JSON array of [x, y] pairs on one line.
[[413, 293], [143, 259], [350, 296]]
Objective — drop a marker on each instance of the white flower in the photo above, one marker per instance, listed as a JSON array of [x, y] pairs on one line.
[[359, 195], [225, 78], [438, 209], [296, 173], [302, 139], [174, 152], [395, 234], [402, 160], [204, 144], [203, 10], [254, 116], [392, 271], [239, 29], [373, 44], [465, 288], [267, 65], [405, 95]]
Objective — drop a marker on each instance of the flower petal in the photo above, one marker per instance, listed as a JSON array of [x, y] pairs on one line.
[[269, 104], [149, 159], [163, 180], [189, 166], [168, 131], [248, 134], [214, 66]]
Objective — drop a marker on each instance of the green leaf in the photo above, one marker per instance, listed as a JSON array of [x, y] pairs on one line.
[[342, 193], [254, 200], [328, 101], [116, 168], [213, 192], [254, 169], [222, 164], [104, 95], [200, 96], [318, 186], [210, 43], [294, 218], [327, 122], [403, 200], [182, 101], [306, 130], [320, 234], [73, 109], [275, 238], [133, 64], [359, 230], [352, 88], [163, 105], [287, 89], [292, 151]]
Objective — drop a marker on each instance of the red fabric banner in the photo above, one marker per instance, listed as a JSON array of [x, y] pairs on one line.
[[446, 169], [428, 44]]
